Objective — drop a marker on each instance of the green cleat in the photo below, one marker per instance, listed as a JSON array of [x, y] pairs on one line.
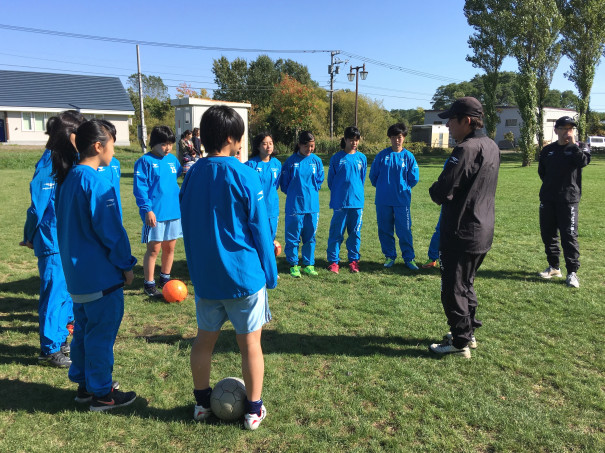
[[310, 270], [295, 271], [388, 262], [411, 265]]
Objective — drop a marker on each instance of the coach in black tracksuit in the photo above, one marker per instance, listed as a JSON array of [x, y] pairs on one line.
[[560, 169], [466, 190]]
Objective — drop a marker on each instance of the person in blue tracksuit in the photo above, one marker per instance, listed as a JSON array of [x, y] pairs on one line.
[[230, 257], [394, 172], [433, 253], [301, 178], [346, 176], [95, 252], [156, 191], [269, 171], [55, 309], [113, 173]]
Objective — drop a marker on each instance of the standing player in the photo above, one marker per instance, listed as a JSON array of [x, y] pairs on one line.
[[465, 190], [156, 191], [301, 179], [433, 253], [231, 263], [269, 171], [560, 169], [346, 176], [394, 172], [113, 173]]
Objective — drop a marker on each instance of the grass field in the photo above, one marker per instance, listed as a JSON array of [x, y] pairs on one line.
[[347, 365]]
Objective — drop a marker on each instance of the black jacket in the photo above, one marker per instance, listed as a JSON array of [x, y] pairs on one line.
[[560, 169], [466, 190]]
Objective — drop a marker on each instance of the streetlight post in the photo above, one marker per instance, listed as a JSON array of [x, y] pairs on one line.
[[333, 68], [356, 75]]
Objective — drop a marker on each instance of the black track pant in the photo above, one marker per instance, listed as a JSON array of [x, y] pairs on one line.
[[560, 218], [458, 297]]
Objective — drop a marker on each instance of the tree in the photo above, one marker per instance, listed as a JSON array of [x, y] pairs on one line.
[[545, 73], [584, 44], [185, 90], [408, 116], [293, 106], [490, 44], [373, 119], [504, 93], [231, 79], [153, 86]]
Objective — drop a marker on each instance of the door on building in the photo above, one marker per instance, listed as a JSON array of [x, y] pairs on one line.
[[2, 131], [441, 139]]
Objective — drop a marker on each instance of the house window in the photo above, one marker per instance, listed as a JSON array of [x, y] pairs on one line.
[[511, 122], [437, 122], [27, 124], [34, 121]]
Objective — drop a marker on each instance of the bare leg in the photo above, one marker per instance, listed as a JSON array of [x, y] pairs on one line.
[[153, 248], [167, 255], [201, 358], [253, 363]]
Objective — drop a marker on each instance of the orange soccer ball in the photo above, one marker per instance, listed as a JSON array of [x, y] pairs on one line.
[[277, 248], [174, 291]]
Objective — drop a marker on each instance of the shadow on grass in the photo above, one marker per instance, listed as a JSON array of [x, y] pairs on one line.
[[505, 274], [367, 267], [18, 355], [29, 286]]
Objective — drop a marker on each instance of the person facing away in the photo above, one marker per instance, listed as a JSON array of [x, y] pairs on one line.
[[96, 257], [394, 173], [232, 263], [560, 169], [301, 178], [466, 191], [346, 176]]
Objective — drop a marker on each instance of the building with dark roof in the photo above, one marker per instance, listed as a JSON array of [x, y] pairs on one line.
[[28, 99]]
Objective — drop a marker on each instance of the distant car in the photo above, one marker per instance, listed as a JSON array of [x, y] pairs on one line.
[[596, 143]]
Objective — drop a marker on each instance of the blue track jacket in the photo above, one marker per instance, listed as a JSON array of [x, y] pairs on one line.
[[301, 179], [394, 174], [346, 176], [226, 233], [269, 173], [113, 173], [155, 186], [93, 243]]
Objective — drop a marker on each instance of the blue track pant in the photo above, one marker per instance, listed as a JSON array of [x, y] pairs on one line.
[[95, 332], [55, 308], [349, 219], [273, 226], [396, 218], [301, 227], [434, 244]]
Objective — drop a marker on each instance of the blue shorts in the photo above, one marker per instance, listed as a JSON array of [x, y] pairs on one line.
[[247, 314], [167, 230]]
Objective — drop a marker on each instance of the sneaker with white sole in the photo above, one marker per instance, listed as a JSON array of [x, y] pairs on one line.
[[253, 421], [201, 413], [472, 344], [56, 359], [112, 400], [83, 396], [446, 347], [551, 272], [572, 280]]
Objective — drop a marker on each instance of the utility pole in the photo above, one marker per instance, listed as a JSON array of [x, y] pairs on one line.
[[142, 130], [334, 68]]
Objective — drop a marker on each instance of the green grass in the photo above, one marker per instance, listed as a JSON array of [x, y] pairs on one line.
[[347, 366]]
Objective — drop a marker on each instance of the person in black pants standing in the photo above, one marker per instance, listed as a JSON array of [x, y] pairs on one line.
[[466, 191], [560, 169]]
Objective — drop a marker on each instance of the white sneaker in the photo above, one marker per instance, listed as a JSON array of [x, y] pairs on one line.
[[252, 421], [201, 413], [572, 280], [446, 347], [550, 272], [472, 344]]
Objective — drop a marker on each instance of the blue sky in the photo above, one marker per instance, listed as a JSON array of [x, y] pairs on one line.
[[429, 37]]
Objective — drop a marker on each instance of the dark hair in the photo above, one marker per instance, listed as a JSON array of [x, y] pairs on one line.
[[219, 123], [61, 126], [161, 134], [303, 138], [65, 156], [476, 122], [258, 139], [350, 132], [196, 130], [186, 133], [396, 129]]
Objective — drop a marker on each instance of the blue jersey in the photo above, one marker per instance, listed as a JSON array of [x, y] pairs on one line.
[[226, 233], [113, 173], [346, 176], [269, 173], [155, 186], [301, 179], [93, 243], [394, 174], [41, 223]]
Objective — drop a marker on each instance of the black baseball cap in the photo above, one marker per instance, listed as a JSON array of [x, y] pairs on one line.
[[467, 106], [564, 120]]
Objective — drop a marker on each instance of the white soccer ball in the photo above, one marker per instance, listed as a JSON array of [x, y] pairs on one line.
[[228, 399]]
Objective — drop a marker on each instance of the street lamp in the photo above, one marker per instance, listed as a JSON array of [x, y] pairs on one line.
[[355, 76]]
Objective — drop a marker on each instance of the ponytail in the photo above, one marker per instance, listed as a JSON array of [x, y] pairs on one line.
[[59, 129], [303, 138], [342, 143]]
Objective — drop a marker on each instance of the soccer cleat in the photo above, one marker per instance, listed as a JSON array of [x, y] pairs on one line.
[[56, 359], [295, 271], [354, 266], [333, 267], [446, 347], [550, 272], [83, 396], [389, 262], [65, 348], [253, 421], [200, 413], [430, 264], [411, 265], [310, 270], [152, 291], [572, 280], [112, 400], [472, 344]]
